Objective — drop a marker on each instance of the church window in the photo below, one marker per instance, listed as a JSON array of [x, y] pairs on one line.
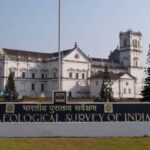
[[77, 75], [138, 43], [23, 75], [129, 91], [42, 75], [124, 90], [33, 75], [135, 62], [125, 42], [54, 74], [70, 74], [83, 76], [135, 43], [76, 56], [42, 87], [46, 76], [127, 83], [32, 86]]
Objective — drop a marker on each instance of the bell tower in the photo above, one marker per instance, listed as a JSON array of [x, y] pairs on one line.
[[131, 56]]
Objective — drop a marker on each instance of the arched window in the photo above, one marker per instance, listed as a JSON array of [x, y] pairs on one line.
[[125, 42], [13, 71], [83, 76], [70, 74], [129, 91], [32, 86], [124, 90], [42, 87], [135, 43], [77, 56], [54, 72], [42, 75], [138, 43], [23, 75], [33, 75], [77, 75], [135, 62]]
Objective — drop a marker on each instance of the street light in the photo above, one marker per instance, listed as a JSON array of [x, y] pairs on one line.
[[59, 59]]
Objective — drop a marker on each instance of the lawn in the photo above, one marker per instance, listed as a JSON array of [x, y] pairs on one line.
[[75, 143]]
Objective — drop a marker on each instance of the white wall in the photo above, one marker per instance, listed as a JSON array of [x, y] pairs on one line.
[[79, 65], [23, 85], [95, 87], [64, 129], [117, 87], [127, 83]]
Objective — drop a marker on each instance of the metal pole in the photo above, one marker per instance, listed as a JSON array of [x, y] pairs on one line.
[[59, 60]]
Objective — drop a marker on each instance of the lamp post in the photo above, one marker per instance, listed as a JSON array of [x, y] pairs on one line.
[[59, 54]]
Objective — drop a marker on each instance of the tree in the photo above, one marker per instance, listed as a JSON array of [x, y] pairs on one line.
[[10, 89], [106, 90], [146, 90]]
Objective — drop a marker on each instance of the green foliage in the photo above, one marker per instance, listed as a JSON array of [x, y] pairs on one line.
[[146, 89], [106, 89], [106, 92], [10, 89]]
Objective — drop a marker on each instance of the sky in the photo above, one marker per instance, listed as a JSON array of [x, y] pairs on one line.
[[94, 24]]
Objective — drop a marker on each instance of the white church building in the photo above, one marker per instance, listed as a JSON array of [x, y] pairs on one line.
[[36, 74]]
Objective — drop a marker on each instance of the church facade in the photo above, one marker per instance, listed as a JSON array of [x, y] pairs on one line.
[[36, 74], [125, 68]]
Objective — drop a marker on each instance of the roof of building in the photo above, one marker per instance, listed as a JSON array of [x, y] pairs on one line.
[[99, 59], [100, 63], [17, 52], [63, 53], [25, 53], [130, 32], [113, 76]]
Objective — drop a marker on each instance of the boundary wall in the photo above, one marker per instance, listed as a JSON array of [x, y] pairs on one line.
[[63, 129], [81, 129]]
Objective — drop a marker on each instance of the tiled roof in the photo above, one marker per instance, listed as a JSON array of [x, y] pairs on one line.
[[99, 59], [25, 53], [48, 56], [63, 53], [34, 54], [113, 76]]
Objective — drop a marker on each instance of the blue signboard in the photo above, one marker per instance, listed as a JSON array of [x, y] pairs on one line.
[[107, 112]]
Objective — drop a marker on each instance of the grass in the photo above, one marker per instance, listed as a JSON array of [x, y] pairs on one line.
[[75, 143]]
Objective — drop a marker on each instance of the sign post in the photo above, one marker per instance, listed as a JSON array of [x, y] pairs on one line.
[[59, 97]]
